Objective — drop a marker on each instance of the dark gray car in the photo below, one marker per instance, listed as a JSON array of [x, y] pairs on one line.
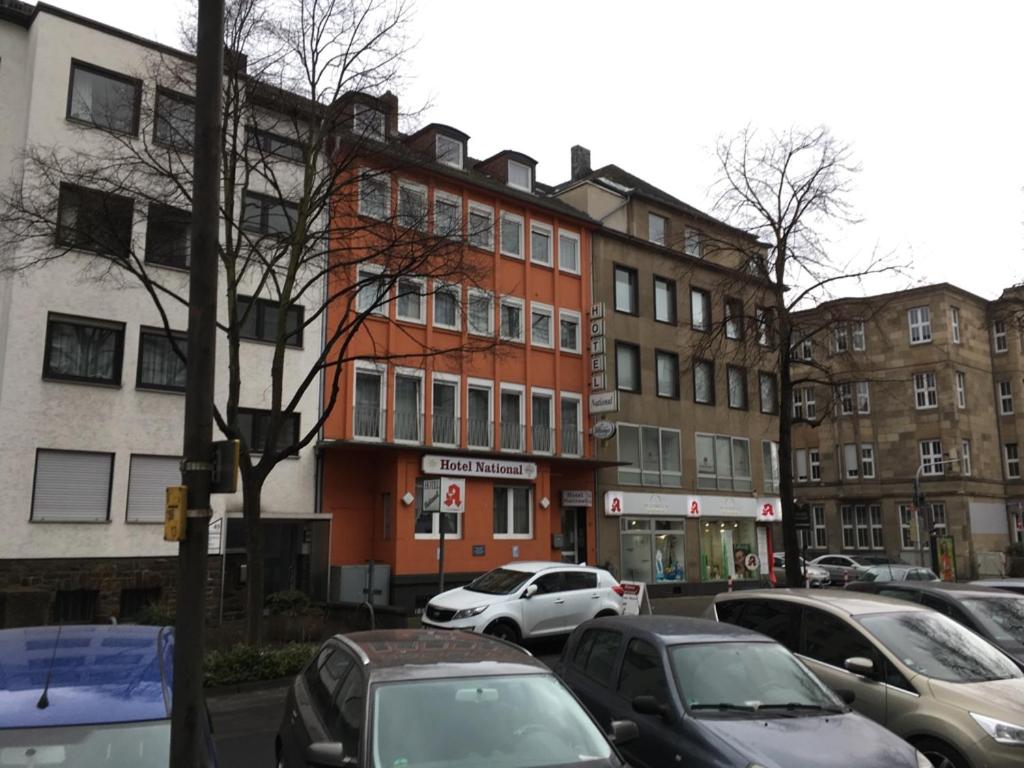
[[711, 695]]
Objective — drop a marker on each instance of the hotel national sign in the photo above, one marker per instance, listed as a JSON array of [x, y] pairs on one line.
[[470, 466]]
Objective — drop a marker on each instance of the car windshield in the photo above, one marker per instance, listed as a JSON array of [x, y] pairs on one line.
[[746, 676], [512, 721], [1003, 617], [935, 646], [127, 745], [500, 581]]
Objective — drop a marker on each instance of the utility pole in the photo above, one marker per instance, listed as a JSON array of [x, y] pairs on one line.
[[197, 470]]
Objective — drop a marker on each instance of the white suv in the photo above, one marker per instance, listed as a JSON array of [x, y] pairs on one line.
[[530, 599]]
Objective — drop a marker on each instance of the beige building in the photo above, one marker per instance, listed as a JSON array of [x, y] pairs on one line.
[[695, 491], [927, 382]]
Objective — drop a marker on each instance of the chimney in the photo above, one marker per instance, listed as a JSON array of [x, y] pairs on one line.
[[390, 102], [580, 164]]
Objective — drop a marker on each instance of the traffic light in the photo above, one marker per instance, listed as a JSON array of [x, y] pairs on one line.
[[919, 500]]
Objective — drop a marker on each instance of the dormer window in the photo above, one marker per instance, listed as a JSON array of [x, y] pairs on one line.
[[448, 151], [519, 176], [368, 122]]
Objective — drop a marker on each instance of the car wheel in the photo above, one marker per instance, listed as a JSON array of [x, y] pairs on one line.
[[941, 754], [503, 630]]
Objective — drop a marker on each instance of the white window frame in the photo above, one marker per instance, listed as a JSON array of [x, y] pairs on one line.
[[519, 389], [1005, 390], [549, 312], [578, 399], [858, 339], [814, 464], [798, 403], [818, 527], [692, 237], [851, 461], [573, 236], [571, 314], [366, 174], [60, 515], [761, 319], [441, 287], [800, 471], [439, 154], [661, 458], [422, 318], [960, 379], [771, 471], [480, 209], [511, 516], [549, 395], [528, 187], [484, 384], [512, 301], [867, 460], [1000, 339], [381, 369], [447, 378], [810, 403], [381, 310], [518, 220], [840, 338], [863, 393], [475, 293], [919, 320], [847, 403], [933, 467], [926, 390], [412, 373], [965, 458], [456, 200], [954, 324], [1016, 460], [651, 216], [422, 224], [547, 229]]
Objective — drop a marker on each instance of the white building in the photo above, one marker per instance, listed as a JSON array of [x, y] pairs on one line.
[[91, 403]]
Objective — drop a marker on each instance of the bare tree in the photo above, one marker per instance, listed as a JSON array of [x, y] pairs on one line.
[[299, 145]]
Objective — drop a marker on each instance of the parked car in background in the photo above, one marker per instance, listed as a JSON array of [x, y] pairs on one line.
[[84, 696], [1011, 585], [895, 572], [843, 568], [430, 699], [711, 695], [949, 692], [815, 575], [525, 600], [995, 614]]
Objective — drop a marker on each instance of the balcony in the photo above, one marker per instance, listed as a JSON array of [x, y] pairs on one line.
[[542, 438], [479, 433], [408, 426], [368, 422], [572, 442], [444, 430], [511, 436]]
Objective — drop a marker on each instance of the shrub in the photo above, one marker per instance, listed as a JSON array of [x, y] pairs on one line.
[[288, 603], [155, 614], [248, 663]]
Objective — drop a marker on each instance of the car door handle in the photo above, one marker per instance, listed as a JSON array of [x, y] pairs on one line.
[[559, 602], [595, 597]]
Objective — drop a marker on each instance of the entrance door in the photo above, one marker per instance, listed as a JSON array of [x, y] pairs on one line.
[[574, 534]]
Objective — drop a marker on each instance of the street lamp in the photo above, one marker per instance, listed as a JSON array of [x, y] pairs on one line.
[[947, 459]]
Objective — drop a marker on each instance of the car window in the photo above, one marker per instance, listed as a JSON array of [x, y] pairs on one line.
[[946, 608], [728, 610], [329, 675], [313, 670], [642, 673], [831, 640], [894, 678], [345, 716], [580, 580], [920, 574], [596, 654], [774, 618], [902, 594], [550, 583]]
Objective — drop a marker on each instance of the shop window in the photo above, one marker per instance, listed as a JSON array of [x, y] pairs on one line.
[[513, 512], [652, 550], [724, 546], [428, 524]]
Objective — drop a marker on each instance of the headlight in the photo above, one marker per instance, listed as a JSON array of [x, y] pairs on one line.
[[1004, 733], [923, 762], [465, 613]]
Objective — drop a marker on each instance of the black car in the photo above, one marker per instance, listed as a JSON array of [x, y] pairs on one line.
[[995, 614], [436, 699], [711, 695], [1010, 584]]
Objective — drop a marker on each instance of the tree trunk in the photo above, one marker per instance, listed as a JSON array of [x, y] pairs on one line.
[[252, 488], [790, 540]]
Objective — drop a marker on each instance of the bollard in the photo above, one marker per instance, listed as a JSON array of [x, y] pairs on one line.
[[730, 584]]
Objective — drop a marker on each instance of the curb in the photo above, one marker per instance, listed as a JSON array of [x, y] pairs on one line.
[[249, 687]]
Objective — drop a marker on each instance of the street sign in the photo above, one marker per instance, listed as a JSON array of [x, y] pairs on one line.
[[802, 516], [454, 501], [432, 494], [603, 430], [175, 507], [604, 402]]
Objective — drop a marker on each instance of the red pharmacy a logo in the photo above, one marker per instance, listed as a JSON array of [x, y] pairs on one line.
[[454, 496], [616, 504]]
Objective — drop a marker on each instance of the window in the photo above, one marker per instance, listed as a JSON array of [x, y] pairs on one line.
[[268, 144], [148, 477], [1005, 398], [447, 312], [804, 350], [596, 654], [569, 252], [255, 427], [429, 524], [733, 319], [159, 366], [954, 324], [542, 420], [800, 465], [103, 98], [448, 151], [867, 460], [481, 226], [664, 300], [656, 228], [857, 336], [478, 401], [258, 320], [692, 243], [268, 215], [368, 122], [368, 407], [91, 220], [763, 320], [569, 332], [908, 537], [770, 459], [480, 314], [814, 458], [412, 205], [81, 349], [849, 535], [1012, 461], [72, 486], [700, 309], [920, 321], [667, 365], [513, 512], [850, 461], [520, 176], [965, 457], [925, 391], [961, 389], [862, 526], [627, 366], [819, 534], [512, 235], [769, 392], [572, 434], [444, 415], [372, 290], [737, 380], [931, 457], [168, 236], [846, 399], [939, 526], [839, 335], [511, 313], [863, 397], [408, 415], [447, 215], [541, 318], [174, 123], [704, 382], [375, 194], [642, 673], [511, 417], [625, 290], [411, 301], [999, 336], [540, 244], [798, 404], [653, 456], [831, 640], [723, 462]]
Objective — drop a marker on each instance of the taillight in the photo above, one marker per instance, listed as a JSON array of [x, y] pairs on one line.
[[619, 590]]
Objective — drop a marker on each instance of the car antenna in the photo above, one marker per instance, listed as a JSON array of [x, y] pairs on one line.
[[44, 700]]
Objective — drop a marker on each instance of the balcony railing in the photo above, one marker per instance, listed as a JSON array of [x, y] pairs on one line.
[[572, 442], [511, 437], [541, 437], [408, 425], [445, 430], [368, 422], [479, 433]]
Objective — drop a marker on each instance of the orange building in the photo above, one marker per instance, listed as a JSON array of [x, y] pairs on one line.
[[500, 425]]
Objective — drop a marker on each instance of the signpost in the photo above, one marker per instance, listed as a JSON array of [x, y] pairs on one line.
[[443, 496]]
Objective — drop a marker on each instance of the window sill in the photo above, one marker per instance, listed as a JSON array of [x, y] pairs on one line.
[[918, 343], [143, 522], [485, 248], [159, 390], [410, 320], [437, 537], [517, 257], [478, 447], [512, 536], [87, 382], [546, 347], [625, 312], [447, 328], [171, 267], [545, 265], [574, 352], [89, 124], [61, 521], [571, 272], [266, 343]]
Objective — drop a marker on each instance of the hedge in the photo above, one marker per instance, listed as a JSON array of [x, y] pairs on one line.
[[249, 663]]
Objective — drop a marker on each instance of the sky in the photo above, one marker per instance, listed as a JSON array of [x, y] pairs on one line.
[[928, 95]]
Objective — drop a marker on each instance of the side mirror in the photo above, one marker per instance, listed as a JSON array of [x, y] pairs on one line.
[[846, 695], [860, 666], [648, 705], [327, 754], [623, 731], [530, 592]]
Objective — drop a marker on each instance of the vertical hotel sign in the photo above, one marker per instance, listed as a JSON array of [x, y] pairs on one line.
[[598, 360]]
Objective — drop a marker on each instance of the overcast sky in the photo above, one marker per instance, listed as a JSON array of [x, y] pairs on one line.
[[927, 93]]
